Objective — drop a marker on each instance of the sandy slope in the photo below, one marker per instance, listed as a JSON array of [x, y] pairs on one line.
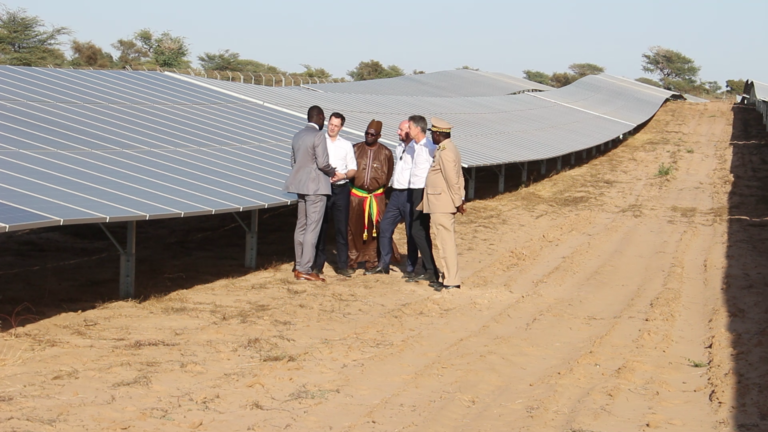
[[587, 302]]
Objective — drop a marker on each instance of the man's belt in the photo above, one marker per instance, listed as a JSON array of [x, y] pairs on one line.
[[369, 207]]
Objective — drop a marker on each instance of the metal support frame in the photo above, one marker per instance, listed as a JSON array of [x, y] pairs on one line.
[[543, 167], [525, 174], [610, 144], [251, 238], [559, 163], [471, 189], [584, 155], [602, 147], [573, 158], [594, 150], [501, 179], [127, 260]]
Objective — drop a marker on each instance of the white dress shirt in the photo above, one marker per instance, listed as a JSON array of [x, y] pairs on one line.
[[413, 163], [341, 155]]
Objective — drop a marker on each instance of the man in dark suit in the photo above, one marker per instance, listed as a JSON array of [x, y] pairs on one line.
[[310, 179]]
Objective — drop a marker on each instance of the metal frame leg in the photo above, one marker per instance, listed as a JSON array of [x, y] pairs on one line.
[[127, 261], [543, 167], [251, 238], [559, 163], [573, 158], [471, 191], [501, 179], [525, 174]]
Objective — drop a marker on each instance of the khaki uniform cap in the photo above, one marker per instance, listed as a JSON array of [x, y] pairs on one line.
[[440, 125]]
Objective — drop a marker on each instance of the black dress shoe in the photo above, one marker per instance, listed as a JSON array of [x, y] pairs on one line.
[[408, 275], [439, 287], [317, 271], [377, 270], [425, 277], [345, 272]]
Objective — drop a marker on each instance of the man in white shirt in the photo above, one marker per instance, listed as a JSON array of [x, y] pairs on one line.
[[342, 157], [414, 157]]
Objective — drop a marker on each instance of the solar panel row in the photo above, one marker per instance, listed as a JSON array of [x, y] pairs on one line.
[[97, 146], [490, 130]]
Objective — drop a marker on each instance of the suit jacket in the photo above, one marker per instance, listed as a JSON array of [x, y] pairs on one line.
[[444, 189], [309, 163]]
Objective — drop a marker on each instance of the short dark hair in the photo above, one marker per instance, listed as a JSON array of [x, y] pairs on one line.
[[313, 112], [339, 116], [419, 121]]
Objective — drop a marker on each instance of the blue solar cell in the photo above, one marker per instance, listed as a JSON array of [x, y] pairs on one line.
[[12, 215]]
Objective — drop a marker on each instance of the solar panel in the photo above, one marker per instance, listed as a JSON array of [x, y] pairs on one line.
[[98, 146], [453, 83], [488, 130]]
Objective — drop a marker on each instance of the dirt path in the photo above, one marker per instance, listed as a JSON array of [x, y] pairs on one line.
[[592, 301]]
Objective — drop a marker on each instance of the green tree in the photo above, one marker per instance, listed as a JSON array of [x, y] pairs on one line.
[[130, 53], [465, 67], [417, 72], [583, 69], [224, 60], [373, 69], [711, 87], [313, 72], [650, 82], [537, 76], [25, 40], [735, 86], [88, 54], [562, 79], [147, 48], [674, 69]]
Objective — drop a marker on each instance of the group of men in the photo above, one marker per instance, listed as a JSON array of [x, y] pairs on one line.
[[335, 179]]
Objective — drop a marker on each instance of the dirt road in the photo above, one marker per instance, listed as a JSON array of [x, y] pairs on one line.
[[595, 300]]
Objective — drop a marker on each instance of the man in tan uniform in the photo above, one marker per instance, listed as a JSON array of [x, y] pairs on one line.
[[443, 198]]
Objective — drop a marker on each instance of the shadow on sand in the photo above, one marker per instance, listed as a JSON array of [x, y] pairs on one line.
[[746, 275]]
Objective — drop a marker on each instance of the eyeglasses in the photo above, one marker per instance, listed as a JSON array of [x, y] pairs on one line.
[[370, 134]]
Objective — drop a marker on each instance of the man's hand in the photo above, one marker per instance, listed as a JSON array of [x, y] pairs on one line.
[[462, 208], [338, 176]]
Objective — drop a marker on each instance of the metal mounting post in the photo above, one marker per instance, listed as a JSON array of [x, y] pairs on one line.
[[602, 147], [471, 191], [543, 167], [127, 260], [573, 158], [501, 179], [525, 174], [559, 163], [583, 155], [594, 150], [251, 237]]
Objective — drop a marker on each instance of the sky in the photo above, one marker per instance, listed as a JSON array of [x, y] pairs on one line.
[[723, 38]]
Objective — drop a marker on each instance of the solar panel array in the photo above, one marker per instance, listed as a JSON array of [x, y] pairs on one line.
[[489, 130], [105, 146], [758, 96], [453, 83]]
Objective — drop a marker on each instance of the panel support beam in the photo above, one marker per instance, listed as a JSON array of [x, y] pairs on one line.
[[251, 238], [525, 174], [471, 189], [594, 150], [500, 172], [584, 155], [573, 158], [127, 260], [543, 167], [559, 163]]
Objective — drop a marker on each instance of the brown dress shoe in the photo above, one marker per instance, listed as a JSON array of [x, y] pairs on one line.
[[314, 277]]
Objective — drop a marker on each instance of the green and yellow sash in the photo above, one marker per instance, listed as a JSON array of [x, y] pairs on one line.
[[369, 207]]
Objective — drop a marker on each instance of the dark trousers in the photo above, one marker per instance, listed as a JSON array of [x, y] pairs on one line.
[[402, 205], [338, 207]]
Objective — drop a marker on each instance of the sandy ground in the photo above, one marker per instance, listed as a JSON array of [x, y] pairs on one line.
[[605, 298]]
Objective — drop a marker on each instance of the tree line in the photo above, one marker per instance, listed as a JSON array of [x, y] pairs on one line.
[[26, 40]]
